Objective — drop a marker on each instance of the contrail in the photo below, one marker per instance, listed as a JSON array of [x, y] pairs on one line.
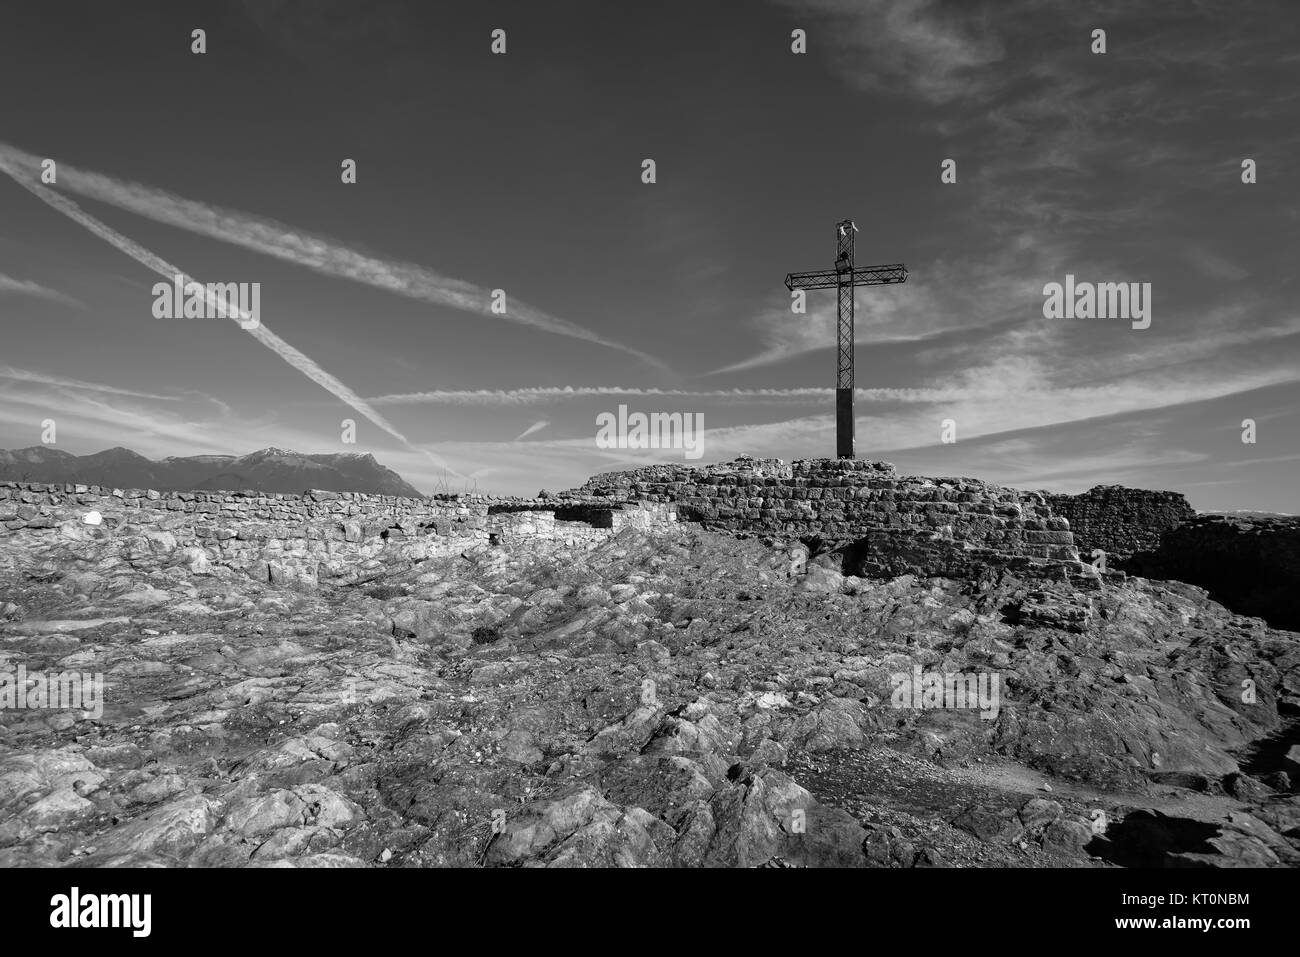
[[533, 396], [29, 288], [540, 395], [318, 253], [259, 332], [535, 427], [23, 375]]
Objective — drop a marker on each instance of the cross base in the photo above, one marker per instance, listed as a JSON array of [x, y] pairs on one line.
[[844, 442]]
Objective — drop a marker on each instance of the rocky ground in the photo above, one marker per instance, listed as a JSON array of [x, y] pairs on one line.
[[679, 699]]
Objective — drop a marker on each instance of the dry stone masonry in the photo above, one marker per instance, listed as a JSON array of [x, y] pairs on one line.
[[898, 523], [1250, 563], [891, 524], [886, 523], [299, 539], [1120, 520]]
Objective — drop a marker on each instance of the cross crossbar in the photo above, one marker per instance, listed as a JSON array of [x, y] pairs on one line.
[[862, 276]]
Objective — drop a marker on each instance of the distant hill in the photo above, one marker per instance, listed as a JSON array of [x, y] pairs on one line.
[[270, 470]]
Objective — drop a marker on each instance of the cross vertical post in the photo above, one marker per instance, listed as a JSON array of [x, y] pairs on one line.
[[844, 278], [845, 440]]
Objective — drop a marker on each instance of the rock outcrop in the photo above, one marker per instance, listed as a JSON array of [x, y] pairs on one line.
[[579, 680]]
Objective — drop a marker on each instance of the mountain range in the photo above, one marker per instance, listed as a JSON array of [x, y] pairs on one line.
[[269, 470]]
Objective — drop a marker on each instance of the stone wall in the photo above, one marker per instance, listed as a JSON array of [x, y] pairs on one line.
[[218, 516], [903, 523], [615, 483], [896, 524], [882, 523], [1120, 520], [301, 539], [39, 505], [1249, 564]]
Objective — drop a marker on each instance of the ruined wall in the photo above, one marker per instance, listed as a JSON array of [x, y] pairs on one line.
[[906, 523], [896, 524], [302, 539], [883, 523], [1120, 520], [1250, 564], [340, 516], [617, 483]]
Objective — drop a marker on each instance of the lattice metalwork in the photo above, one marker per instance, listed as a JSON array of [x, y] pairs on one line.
[[862, 276], [844, 278]]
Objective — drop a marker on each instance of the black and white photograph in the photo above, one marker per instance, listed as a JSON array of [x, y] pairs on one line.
[[446, 439]]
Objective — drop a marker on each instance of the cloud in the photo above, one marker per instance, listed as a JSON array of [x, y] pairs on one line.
[[928, 48], [1014, 426], [91, 414], [318, 253], [28, 288], [288, 353], [983, 382], [877, 322], [941, 299], [90, 417], [1215, 266], [994, 400]]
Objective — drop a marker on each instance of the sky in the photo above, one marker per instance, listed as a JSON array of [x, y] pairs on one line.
[[523, 172]]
